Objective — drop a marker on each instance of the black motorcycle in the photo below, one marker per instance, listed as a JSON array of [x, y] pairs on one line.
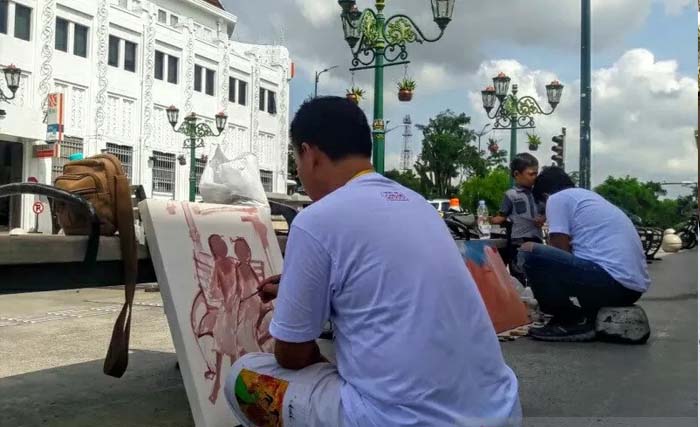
[[688, 232]]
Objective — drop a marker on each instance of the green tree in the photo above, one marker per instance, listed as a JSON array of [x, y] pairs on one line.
[[643, 199], [407, 178], [446, 154], [491, 188]]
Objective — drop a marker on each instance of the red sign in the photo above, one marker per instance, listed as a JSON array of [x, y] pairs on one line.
[[46, 150], [38, 207]]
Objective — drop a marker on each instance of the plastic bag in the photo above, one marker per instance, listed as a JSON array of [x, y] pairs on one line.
[[232, 181]]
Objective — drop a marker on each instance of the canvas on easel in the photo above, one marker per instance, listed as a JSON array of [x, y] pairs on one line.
[[209, 260]]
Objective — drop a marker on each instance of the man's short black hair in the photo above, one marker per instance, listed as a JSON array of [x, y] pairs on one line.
[[550, 181], [523, 161], [336, 126]]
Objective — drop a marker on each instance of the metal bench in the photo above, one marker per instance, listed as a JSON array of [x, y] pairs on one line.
[[651, 238]]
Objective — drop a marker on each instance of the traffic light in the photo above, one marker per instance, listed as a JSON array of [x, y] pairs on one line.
[[558, 148]]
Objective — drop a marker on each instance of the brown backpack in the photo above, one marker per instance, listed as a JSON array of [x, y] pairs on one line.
[[101, 181]]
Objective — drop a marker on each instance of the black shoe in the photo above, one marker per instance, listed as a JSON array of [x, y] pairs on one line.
[[580, 331]]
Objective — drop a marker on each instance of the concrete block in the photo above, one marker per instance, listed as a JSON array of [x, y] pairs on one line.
[[623, 324]]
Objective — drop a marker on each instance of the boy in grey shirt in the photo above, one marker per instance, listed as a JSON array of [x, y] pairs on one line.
[[520, 209]]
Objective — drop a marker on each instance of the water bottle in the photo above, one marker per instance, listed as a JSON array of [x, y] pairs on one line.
[[482, 221]]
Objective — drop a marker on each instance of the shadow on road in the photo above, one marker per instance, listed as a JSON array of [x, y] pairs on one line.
[[151, 393]]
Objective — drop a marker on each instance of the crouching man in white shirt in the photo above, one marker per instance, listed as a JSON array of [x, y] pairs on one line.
[[594, 254]]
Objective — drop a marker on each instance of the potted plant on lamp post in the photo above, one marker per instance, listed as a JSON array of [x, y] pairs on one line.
[[355, 94], [406, 88], [533, 141]]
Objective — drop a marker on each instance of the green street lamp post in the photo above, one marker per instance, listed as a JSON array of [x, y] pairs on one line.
[[195, 133], [513, 112], [377, 42]]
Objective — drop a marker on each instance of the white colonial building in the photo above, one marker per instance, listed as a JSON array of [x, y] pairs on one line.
[[119, 65]]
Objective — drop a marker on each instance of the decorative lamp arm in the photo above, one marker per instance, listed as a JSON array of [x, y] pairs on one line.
[[400, 29], [528, 106]]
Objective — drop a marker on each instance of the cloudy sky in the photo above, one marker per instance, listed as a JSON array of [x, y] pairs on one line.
[[644, 71]]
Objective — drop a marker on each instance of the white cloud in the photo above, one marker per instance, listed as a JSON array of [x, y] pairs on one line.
[[318, 13], [643, 110], [643, 117], [675, 7]]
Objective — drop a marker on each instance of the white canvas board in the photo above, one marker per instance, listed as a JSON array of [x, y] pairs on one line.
[[209, 260]]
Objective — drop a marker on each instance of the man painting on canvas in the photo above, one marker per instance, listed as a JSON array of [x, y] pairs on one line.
[[414, 343]]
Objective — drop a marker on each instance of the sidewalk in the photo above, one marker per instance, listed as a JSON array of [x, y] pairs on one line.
[[52, 345]]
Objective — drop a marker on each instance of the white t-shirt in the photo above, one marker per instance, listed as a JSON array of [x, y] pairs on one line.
[[600, 232], [414, 342]]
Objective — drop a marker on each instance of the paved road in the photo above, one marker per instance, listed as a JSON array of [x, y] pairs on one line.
[[52, 344], [621, 385]]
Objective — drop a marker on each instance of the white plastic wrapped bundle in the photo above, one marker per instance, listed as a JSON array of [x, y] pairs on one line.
[[232, 181]]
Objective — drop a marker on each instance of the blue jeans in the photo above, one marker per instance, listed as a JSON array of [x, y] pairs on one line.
[[556, 275]]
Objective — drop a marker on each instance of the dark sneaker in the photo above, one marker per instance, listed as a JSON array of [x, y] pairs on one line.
[[543, 320], [565, 332]]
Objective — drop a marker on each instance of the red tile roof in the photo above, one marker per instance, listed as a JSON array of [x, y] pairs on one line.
[[216, 3]]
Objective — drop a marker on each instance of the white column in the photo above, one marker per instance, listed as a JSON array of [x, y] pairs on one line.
[[11, 19], [45, 44], [101, 83], [189, 68], [145, 141]]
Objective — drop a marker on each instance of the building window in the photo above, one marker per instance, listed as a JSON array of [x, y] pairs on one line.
[[271, 102], [125, 154], [172, 64], [113, 58], [164, 173], [129, 56], [80, 37], [197, 78], [199, 165], [174, 20], [261, 102], [172, 69], [209, 89], [23, 21], [159, 65], [3, 16], [68, 147], [61, 35], [209, 79], [231, 89], [237, 91], [162, 16], [266, 179], [242, 89]]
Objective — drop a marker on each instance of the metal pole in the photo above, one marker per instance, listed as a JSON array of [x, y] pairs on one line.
[[316, 85], [378, 128], [585, 133], [563, 148], [513, 142], [193, 172]]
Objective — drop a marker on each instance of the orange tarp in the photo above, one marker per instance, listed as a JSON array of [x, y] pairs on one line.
[[502, 301]]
